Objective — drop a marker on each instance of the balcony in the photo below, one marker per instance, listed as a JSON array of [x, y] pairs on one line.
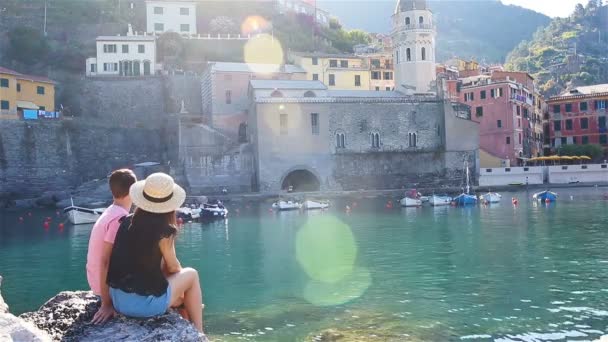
[[415, 27], [522, 99]]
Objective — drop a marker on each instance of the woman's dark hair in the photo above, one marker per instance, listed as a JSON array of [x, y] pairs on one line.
[[153, 222]]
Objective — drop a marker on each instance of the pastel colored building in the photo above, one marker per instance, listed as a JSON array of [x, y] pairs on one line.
[[336, 71], [504, 105], [19, 92], [382, 76], [171, 16], [225, 91], [130, 55], [578, 117]]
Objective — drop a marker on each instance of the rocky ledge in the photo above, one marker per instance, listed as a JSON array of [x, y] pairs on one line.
[[67, 316]]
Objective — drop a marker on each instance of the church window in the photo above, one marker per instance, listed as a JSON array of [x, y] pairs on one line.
[[424, 54], [340, 140], [283, 124], [397, 56], [408, 53], [407, 21], [413, 139], [375, 138], [421, 20], [314, 123]]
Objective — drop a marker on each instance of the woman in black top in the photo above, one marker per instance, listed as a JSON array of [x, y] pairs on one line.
[[145, 277]]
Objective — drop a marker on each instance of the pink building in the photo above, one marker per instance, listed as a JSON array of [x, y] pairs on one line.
[[224, 92], [503, 104]]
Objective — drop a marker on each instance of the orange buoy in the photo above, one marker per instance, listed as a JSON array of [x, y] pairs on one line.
[[180, 220], [547, 201], [61, 225], [46, 225], [514, 201]]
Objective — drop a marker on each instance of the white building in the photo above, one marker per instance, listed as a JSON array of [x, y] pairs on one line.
[[414, 47], [171, 16], [306, 7], [129, 55]]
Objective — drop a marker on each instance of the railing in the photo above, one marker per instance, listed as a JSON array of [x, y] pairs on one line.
[[522, 99], [418, 27]]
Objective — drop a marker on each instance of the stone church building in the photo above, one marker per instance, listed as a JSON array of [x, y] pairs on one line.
[[310, 138]]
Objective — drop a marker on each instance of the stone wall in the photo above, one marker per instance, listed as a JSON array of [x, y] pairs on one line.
[[54, 155], [212, 174]]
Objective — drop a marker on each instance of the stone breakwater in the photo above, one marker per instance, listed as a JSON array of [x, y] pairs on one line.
[[67, 316]]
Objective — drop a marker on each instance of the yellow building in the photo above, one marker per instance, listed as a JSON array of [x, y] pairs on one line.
[[19, 92], [338, 72]]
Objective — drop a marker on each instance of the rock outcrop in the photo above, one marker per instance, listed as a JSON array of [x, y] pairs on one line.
[[67, 316], [15, 329]]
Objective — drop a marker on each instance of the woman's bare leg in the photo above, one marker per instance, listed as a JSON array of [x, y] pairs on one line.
[[186, 289]]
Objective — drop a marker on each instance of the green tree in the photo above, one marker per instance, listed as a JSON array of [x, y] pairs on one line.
[[27, 45], [592, 150]]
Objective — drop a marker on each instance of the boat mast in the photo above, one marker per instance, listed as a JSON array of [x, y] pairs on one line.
[[466, 165]]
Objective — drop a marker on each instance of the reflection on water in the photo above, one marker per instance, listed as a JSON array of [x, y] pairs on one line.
[[527, 272]]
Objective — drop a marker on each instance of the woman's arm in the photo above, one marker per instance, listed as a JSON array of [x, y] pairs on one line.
[[170, 262]]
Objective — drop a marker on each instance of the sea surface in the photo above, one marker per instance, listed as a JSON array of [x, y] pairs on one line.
[[534, 272]]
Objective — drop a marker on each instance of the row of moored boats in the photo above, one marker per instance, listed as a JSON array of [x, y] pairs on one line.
[[414, 199]]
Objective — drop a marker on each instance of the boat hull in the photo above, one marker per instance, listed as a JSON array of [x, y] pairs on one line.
[[286, 206], [465, 199], [78, 215], [491, 198], [438, 201], [411, 202], [312, 205], [545, 196]]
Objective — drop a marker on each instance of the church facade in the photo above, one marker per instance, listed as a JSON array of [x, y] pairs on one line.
[[308, 137]]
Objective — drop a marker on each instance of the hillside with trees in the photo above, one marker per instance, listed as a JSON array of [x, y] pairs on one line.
[[486, 30], [569, 52]]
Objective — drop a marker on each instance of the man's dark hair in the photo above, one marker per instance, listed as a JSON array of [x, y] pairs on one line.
[[121, 181]]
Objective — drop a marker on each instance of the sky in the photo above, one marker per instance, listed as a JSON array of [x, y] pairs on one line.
[[552, 8]]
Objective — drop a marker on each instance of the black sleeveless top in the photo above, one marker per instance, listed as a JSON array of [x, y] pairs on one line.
[[136, 258]]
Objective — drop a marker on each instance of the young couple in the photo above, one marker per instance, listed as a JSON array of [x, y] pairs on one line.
[[131, 261]]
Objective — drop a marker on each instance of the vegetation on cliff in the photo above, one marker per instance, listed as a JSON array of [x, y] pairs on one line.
[[569, 52], [486, 30]]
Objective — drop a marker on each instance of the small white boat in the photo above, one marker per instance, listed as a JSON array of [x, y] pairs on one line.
[[314, 205], [425, 199], [411, 202], [491, 197], [79, 215], [438, 201], [286, 205]]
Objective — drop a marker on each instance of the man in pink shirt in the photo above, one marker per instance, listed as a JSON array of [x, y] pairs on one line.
[[102, 240]]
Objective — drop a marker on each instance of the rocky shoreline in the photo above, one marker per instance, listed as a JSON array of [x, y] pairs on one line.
[[66, 317]]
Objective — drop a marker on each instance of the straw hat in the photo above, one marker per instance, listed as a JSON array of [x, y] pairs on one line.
[[157, 194]]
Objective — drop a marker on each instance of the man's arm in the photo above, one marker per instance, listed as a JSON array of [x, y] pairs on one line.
[[106, 311]]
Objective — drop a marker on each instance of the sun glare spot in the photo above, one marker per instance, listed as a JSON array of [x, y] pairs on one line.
[[349, 288], [326, 249], [263, 49]]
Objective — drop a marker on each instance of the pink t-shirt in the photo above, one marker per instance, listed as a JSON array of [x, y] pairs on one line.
[[104, 230]]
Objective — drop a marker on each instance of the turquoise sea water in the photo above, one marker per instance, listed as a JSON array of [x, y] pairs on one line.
[[530, 273]]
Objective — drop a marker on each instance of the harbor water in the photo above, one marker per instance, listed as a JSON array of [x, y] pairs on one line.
[[532, 272]]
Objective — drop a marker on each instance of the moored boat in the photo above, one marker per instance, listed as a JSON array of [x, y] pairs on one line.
[[79, 215], [545, 196], [465, 199], [411, 199], [215, 211], [491, 197], [438, 201], [315, 205], [286, 205]]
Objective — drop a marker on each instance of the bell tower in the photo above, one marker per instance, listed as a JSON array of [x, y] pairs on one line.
[[413, 37]]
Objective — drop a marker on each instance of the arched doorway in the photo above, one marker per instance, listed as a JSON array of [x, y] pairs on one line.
[[301, 181]]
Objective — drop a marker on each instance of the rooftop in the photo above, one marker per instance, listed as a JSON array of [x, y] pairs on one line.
[[24, 77], [587, 90], [325, 55], [409, 5], [365, 94], [256, 68], [287, 84], [126, 38]]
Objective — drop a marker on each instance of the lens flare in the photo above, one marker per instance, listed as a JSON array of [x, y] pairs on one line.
[[349, 288], [326, 249], [263, 49], [254, 25]]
